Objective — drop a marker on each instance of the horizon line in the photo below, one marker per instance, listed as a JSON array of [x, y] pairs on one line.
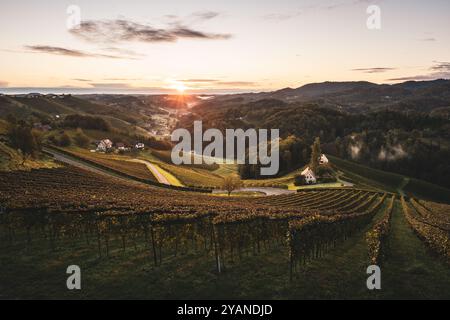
[[170, 91]]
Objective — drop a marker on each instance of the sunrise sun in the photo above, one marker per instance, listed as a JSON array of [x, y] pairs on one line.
[[181, 88]]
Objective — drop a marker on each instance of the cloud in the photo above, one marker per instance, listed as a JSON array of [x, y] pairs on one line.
[[373, 70], [111, 85], [413, 78], [317, 7], [3, 84], [82, 80], [121, 79], [281, 16], [123, 52], [428, 39], [120, 30], [205, 15], [439, 70], [69, 52], [196, 17], [198, 80], [440, 66], [236, 83], [215, 82]]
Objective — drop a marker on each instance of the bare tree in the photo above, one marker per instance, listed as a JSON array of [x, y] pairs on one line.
[[231, 183]]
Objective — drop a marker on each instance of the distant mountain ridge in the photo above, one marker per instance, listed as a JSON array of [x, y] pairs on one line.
[[359, 96]]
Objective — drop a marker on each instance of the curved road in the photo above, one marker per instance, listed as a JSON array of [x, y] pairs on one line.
[[266, 190], [83, 165]]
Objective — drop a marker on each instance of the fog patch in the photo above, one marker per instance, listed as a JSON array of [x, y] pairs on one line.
[[355, 148], [392, 153]]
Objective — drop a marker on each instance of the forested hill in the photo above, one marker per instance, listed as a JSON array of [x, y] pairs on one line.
[[361, 96], [406, 141]]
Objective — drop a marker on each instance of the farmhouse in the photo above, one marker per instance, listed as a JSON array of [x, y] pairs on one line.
[[104, 145], [121, 146], [309, 175], [140, 146], [42, 127], [323, 159]]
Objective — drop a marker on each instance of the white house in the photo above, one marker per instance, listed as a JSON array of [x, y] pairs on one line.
[[309, 175], [323, 159], [140, 146], [104, 145], [122, 147]]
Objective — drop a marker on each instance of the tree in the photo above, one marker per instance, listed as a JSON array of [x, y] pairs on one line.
[[316, 153], [339, 147], [81, 139], [299, 180], [231, 183], [324, 171], [22, 138], [64, 140]]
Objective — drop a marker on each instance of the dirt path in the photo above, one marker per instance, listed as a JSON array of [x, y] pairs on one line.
[[403, 185], [341, 273], [154, 170], [411, 271]]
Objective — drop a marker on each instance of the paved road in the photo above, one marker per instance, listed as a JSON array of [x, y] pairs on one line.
[[267, 191], [80, 164]]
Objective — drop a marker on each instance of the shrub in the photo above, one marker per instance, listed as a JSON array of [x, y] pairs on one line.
[[86, 122], [299, 180], [64, 140], [81, 139]]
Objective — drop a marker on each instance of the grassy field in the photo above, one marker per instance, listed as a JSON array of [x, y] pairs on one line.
[[115, 162], [193, 176], [11, 160], [364, 176], [426, 190], [411, 268], [170, 177], [3, 126]]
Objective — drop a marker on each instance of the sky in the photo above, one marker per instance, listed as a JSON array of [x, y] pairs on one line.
[[208, 46]]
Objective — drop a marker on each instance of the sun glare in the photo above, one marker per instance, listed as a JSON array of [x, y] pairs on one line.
[[181, 88]]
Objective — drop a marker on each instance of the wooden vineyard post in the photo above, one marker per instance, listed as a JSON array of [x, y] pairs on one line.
[[153, 245], [216, 249]]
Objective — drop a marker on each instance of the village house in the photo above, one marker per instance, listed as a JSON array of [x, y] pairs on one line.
[[309, 175], [104, 145], [140, 146], [323, 159], [121, 146], [42, 127]]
